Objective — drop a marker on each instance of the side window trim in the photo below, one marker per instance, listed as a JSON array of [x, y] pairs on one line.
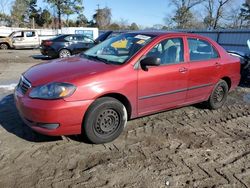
[[205, 40]]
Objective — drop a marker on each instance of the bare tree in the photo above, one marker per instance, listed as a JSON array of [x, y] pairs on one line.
[[186, 3], [245, 14], [215, 12], [184, 16], [234, 18]]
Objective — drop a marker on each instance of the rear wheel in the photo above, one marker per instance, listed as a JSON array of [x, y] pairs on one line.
[[4, 46], [64, 53], [219, 95], [104, 120]]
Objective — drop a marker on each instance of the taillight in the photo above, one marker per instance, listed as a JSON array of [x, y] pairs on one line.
[[47, 43]]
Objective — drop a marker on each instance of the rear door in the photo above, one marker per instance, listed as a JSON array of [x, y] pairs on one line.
[[204, 68], [31, 39], [71, 43], [84, 43], [164, 86]]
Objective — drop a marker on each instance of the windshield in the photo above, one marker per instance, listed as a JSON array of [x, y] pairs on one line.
[[118, 50], [10, 35]]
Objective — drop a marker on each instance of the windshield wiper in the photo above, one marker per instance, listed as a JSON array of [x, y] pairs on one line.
[[92, 57]]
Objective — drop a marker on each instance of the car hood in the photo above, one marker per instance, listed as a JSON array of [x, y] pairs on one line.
[[3, 39], [65, 70]]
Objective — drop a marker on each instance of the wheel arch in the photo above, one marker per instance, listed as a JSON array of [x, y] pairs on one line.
[[6, 44], [123, 99], [228, 81], [120, 97]]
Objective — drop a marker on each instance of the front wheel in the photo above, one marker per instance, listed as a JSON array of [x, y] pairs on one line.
[[219, 95], [104, 120], [4, 46]]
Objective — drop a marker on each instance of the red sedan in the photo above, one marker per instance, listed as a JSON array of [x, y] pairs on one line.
[[97, 92]]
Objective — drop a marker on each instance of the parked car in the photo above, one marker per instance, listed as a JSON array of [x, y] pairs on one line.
[[94, 94], [20, 39], [245, 63], [66, 45]]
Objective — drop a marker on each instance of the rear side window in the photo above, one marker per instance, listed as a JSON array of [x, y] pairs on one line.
[[201, 50], [82, 38], [30, 34], [71, 38]]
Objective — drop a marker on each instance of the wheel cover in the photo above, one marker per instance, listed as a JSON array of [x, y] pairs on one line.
[[64, 53], [107, 122], [219, 94]]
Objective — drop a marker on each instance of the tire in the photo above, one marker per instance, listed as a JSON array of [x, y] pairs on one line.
[[4, 46], [64, 53], [104, 120], [219, 95]]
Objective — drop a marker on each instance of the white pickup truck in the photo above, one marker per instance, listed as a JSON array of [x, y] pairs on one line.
[[22, 39]]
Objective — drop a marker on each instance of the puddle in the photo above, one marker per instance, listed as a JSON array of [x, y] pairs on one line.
[[246, 98]]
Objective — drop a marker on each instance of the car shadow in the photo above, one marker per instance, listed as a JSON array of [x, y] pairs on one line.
[[245, 84], [11, 122], [41, 57]]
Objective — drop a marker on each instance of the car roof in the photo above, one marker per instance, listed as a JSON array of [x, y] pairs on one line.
[[153, 32], [25, 30], [65, 35], [165, 33]]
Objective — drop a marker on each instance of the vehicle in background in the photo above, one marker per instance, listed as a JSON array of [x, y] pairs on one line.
[[245, 63], [21, 39], [95, 93], [66, 45]]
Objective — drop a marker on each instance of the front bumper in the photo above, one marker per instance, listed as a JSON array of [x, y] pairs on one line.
[[52, 117]]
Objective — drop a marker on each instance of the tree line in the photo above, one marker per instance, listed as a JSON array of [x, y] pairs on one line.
[[186, 14]]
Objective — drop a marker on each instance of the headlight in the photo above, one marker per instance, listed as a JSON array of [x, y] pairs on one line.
[[53, 91]]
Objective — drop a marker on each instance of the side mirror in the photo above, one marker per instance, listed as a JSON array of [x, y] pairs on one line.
[[150, 61], [248, 43]]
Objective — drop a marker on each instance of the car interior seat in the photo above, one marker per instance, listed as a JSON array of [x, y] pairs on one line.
[[170, 55]]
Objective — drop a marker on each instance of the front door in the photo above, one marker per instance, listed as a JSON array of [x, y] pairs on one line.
[[164, 86]]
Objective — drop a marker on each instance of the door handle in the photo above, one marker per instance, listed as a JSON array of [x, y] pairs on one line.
[[183, 70]]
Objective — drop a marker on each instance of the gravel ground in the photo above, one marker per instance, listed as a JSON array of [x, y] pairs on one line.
[[14, 62], [187, 147]]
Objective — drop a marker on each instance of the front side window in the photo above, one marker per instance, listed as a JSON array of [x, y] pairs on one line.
[[118, 49], [17, 34], [201, 50], [170, 51]]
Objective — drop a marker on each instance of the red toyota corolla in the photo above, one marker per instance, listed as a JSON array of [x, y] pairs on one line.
[[97, 92]]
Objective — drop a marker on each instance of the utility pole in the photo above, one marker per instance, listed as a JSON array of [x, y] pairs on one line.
[[33, 22]]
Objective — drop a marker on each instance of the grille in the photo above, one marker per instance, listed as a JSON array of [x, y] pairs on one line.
[[24, 85]]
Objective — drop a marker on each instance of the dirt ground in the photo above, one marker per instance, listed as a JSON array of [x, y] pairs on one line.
[[187, 147]]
